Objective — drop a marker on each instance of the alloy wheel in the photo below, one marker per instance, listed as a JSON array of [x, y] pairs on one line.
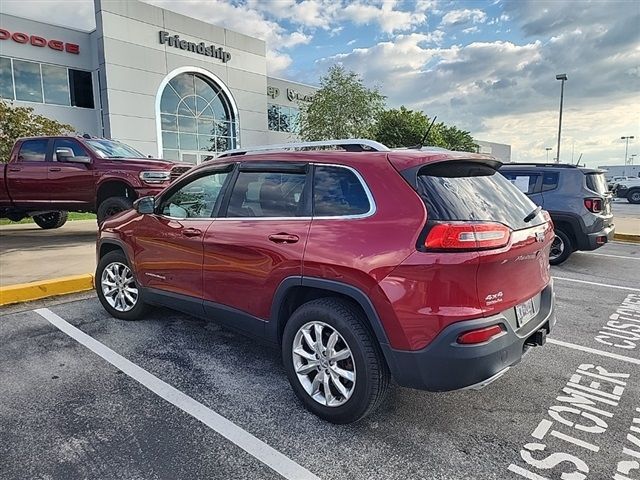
[[324, 364], [119, 287], [635, 197], [557, 248]]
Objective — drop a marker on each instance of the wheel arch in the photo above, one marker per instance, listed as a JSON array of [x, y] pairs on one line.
[[114, 188], [295, 291]]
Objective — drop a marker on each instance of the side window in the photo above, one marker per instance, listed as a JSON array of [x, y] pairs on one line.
[[525, 182], [267, 194], [196, 199], [33, 151], [549, 181], [337, 191], [68, 148]]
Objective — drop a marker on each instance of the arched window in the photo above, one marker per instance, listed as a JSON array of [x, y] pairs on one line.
[[196, 119]]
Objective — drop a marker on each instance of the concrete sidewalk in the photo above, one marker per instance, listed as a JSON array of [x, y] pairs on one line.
[[30, 254]]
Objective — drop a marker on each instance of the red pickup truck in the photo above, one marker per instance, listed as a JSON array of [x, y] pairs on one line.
[[46, 177]]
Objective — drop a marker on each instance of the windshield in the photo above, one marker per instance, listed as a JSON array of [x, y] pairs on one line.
[[112, 149], [464, 191]]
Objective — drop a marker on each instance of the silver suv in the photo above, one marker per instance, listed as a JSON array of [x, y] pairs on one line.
[[577, 198]]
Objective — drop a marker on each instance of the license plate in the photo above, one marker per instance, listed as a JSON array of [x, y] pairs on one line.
[[525, 312]]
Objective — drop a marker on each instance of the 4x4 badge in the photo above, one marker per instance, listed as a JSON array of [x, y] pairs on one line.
[[539, 236]]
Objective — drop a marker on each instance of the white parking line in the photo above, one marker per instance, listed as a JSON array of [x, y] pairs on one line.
[[609, 255], [597, 284], [243, 439], [635, 361]]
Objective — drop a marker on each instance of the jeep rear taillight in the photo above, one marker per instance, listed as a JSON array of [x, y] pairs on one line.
[[480, 335], [594, 205], [467, 236]]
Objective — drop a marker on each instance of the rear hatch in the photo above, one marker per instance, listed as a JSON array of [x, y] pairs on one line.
[[596, 182], [510, 235]]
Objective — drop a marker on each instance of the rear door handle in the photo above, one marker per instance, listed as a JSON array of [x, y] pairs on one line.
[[15, 169], [55, 169], [191, 232], [283, 238]]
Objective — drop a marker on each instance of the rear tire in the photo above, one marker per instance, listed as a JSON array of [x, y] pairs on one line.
[[354, 353], [561, 248], [634, 196], [51, 220], [113, 205], [117, 288]]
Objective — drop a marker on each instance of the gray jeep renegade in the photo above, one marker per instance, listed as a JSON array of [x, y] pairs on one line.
[[577, 199]]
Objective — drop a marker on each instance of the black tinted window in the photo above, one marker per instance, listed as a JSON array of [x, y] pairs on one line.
[[596, 182], [81, 86], [549, 181], [525, 182], [338, 192], [465, 191], [196, 199], [33, 151], [68, 145], [267, 194]]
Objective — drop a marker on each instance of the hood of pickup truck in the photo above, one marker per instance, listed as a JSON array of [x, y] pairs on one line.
[[148, 162]]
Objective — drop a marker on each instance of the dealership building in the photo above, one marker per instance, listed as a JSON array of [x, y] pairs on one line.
[[164, 83]]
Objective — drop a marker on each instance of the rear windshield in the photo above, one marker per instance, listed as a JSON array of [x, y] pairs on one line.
[[596, 182], [470, 191]]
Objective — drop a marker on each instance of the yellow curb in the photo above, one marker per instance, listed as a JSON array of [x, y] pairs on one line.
[[627, 237], [25, 292]]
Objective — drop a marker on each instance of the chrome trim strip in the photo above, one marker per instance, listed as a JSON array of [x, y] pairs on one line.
[[372, 205]]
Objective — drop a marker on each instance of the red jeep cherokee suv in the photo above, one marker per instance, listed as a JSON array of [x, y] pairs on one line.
[[362, 264]]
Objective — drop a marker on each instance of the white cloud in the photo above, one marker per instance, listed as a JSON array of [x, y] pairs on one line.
[[473, 29], [389, 19], [463, 16]]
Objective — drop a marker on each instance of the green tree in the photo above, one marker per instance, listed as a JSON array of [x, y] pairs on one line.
[[400, 127], [16, 122], [343, 107], [452, 138]]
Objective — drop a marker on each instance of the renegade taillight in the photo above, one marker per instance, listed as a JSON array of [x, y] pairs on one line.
[[457, 236], [481, 335], [593, 204]]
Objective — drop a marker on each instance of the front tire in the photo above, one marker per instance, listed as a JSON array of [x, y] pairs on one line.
[[112, 206], [51, 220], [561, 248], [634, 196], [117, 289], [333, 362]]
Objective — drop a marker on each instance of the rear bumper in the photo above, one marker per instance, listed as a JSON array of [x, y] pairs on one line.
[[598, 239], [445, 365]]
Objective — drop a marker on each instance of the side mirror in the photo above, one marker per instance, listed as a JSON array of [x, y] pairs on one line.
[[145, 205], [64, 154]]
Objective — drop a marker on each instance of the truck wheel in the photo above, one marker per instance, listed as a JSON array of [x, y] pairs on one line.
[[50, 220], [634, 196], [112, 205], [333, 362], [117, 288], [561, 248]]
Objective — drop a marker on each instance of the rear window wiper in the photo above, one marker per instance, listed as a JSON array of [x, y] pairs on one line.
[[532, 215]]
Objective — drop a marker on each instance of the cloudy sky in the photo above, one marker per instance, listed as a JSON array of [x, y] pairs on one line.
[[488, 67]]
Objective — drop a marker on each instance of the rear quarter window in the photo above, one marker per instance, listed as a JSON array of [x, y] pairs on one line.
[[33, 151], [596, 182], [337, 192]]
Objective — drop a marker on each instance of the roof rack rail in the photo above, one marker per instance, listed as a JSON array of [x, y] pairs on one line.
[[534, 164], [350, 145]]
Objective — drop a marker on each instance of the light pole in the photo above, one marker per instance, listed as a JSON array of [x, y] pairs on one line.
[[632, 158], [548, 149], [563, 77], [626, 147]]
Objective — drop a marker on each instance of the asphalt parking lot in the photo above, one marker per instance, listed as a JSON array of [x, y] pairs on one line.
[[192, 400]]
